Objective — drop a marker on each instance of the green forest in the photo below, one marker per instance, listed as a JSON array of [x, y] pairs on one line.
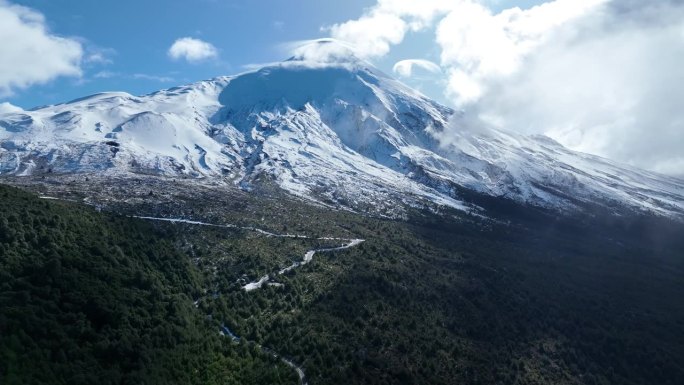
[[91, 297]]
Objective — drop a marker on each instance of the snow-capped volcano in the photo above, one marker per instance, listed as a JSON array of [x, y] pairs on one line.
[[323, 125]]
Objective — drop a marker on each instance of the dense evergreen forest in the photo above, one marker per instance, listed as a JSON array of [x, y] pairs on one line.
[[443, 302], [525, 298], [90, 298]]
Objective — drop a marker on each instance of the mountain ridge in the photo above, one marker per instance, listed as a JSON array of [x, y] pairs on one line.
[[325, 129]]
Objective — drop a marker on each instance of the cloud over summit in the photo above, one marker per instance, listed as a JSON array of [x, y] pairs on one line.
[[601, 76]]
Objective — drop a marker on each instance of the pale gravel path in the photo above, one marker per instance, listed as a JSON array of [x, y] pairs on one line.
[[308, 256]]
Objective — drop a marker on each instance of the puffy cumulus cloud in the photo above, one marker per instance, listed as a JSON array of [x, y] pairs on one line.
[[601, 76], [478, 45], [606, 81], [387, 23], [405, 67], [30, 53], [372, 35], [471, 37], [192, 50]]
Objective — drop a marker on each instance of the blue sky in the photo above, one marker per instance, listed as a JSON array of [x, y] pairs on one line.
[[599, 76], [132, 39], [135, 36]]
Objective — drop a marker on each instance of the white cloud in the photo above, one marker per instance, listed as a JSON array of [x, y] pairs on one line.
[[601, 76], [192, 50], [405, 67], [8, 108], [481, 45], [322, 50], [98, 56], [138, 76], [105, 75], [605, 81], [419, 13], [156, 78], [372, 35], [387, 23], [30, 53]]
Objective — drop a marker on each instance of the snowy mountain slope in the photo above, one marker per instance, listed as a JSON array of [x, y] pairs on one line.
[[326, 127]]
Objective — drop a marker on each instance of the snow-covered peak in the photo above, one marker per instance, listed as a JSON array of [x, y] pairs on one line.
[[326, 127]]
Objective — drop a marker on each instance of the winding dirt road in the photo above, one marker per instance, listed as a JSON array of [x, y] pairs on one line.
[[308, 257]]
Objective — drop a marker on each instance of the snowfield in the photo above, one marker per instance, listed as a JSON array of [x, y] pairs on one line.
[[335, 131]]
